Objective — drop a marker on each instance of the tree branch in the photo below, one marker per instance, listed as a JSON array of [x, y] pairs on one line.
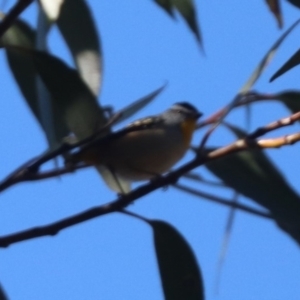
[[156, 183], [223, 201], [290, 120], [14, 13]]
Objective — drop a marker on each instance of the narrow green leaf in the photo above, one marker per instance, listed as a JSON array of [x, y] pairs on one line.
[[187, 10], [265, 61], [24, 71], [166, 5], [21, 34], [257, 72], [74, 104], [44, 98], [295, 2], [137, 105], [180, 274], [253, 175], [274, 6], [77, 27], [3, 295], [238, 132], [292, 62], [290, 98], [259, 174]]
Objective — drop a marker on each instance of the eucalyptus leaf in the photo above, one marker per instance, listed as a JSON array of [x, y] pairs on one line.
[[292, 62], [275, 8], [74, 104], [166, 5], [137, 105], [291, 99], [252, 174], [22, 35], [187, 9], [78, 29], [180, 274], [3, 295], [266, 59], [44, 98], [257, 72], [295, 2]]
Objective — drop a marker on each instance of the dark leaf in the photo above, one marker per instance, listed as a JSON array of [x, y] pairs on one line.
[[253, 175], [295, 2], [24, 71], [21, 34], [43, 95], [180, 274], [291, 63], [265, 61], [187, 10], [3, 295], [77, 27], [291, 99], [239, 133], [258, 71], [275, 8], [75, 105], [166, 5], [139, 104]]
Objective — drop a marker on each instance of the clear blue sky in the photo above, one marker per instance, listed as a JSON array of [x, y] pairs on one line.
[[112, 257]]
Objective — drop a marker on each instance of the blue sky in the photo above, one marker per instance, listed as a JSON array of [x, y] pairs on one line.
[[112, 257]]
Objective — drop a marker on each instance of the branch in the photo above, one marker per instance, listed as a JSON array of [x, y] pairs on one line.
[[16, 10], [158, 182], [290, 120], [223, 201], [249, 98], [29, 170], [218, 118]]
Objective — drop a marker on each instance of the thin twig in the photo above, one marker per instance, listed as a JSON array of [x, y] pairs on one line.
[[251, 97], [161, 181], [198, 178], [132, 214], [13, 14], [53, 173], [225, 242], [220, 117], [29, 170], [290, 120], [219, 200]]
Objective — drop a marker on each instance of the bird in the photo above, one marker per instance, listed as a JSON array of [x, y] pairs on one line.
[[144, 149]]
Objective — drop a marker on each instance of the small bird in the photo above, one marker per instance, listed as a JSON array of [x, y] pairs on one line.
[[144, 149]]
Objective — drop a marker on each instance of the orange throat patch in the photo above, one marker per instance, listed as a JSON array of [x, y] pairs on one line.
[[188, 128]]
